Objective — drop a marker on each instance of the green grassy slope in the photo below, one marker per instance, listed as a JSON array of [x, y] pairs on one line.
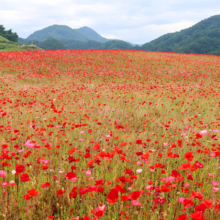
[[6, 45]]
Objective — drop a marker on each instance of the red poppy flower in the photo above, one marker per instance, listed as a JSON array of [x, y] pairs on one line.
[[24, 177], [128, 171], [124, 198], [96, 147], [72, 151], [26, 197], [185, 166], [165, 189], [138, 141], [19, 168], [100, 189], [189, 156], [113, 194], [33, 192], [182, 217], [73, 194], [188, 202], [70, 175], [123, 144], [99, 182], [145, 156], [99, 213], [197, 195], [208, 202], [45, 185], [201, 207], [175, 173], [197, 215], [135, 195], [60, 192]]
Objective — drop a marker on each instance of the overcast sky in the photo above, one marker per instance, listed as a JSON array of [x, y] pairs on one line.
[[136, 21]]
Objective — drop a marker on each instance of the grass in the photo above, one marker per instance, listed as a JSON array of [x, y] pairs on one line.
[[6, 45], [109, 134]]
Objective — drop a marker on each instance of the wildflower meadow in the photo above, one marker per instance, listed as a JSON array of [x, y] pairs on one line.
[[109, 134]]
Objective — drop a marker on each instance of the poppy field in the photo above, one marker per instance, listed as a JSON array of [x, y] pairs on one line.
[[109, 134]]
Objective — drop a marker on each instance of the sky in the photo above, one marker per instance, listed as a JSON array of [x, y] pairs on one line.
[[135, 21]]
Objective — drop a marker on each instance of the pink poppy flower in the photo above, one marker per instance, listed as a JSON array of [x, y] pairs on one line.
[[203, 132], [181, 200], [214, 183], [88, 172], [135, 203], [2, 173], [215, 190], [5, 184], [29, 144]]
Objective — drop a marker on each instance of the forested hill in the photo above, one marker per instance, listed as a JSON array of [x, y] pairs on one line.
[[202, 38], [60, 32]]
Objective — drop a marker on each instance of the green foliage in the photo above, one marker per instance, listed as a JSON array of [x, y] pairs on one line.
[[8, 34], [202, 38]]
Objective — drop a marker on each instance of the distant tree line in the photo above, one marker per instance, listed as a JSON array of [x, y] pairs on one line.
[[8, 34], [54, 44]]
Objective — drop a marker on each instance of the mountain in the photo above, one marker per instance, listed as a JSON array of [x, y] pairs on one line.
[[81, 38], [60, 32], [202, 38], [91, 34]]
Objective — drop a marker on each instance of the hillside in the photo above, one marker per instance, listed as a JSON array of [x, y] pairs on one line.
[[60, 32], [202, 38], [6, 45]]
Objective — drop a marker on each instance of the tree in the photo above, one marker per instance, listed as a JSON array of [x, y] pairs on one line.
[[8, 34]]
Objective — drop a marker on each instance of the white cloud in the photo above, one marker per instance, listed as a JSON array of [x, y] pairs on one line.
[[135, 21], [110, 36], [173, 27]]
